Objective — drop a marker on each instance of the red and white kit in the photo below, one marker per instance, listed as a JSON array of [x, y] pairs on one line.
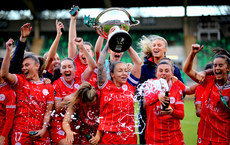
[[80, 68], [62, 89], [199, 94], [89, 115], [32, 100], [7, 110], [214, 125], [117, 112], [164, 129]]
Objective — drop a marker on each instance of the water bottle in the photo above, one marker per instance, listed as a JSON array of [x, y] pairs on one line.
[[166, 104], [88, 136]]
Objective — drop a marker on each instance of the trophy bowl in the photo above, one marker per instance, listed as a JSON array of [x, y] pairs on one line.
[[119, 40]]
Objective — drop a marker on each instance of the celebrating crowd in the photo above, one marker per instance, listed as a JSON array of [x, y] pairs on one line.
[[79, 100]]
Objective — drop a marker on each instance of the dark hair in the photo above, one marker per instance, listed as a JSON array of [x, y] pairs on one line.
[[224, 57], [208, 66], [42, 65], [70, 59], [167, 59], [32, 56], [165, 62], [112, 66], [1, 60], [88, 43], [221, 53]]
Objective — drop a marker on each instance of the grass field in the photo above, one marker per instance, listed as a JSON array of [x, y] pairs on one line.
[[189, 123]]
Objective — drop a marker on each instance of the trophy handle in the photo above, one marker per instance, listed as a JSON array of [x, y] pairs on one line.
[[133, 21], [90, 22]]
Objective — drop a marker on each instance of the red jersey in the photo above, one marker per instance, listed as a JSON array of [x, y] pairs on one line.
[[199, 94], [89, 114], [7, 109], [93, 79], [164, 129], [32, 99], [80, 68], [117, 106], [89, 119], [62, 89], [214, 122]]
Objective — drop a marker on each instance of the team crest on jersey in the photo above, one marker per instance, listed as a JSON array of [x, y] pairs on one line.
[[61, 132], [124, 87], [226, 98], [76, 86], [172, 100], [45, 92], [2, 97]]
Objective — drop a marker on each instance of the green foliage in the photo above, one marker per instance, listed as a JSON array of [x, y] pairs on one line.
[[205, 56], [174, 37]]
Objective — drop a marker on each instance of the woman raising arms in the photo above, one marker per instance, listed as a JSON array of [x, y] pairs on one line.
[[116, 124], [214, 125]]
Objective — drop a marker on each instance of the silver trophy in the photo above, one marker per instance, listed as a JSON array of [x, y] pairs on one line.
[[120, 21]]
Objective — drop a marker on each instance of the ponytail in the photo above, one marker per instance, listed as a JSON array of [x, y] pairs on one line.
[[85, 93]]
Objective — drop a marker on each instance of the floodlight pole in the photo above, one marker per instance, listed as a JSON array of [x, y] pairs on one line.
[[189, 37], [37, 40]]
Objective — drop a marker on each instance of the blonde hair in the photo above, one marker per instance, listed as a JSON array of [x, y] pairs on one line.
[[85, 93], [146, 44], [45, 56]]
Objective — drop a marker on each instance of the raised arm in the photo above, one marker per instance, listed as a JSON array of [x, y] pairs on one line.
[[101, 74], [8, 77], [189, 62], [91, 63], [72, 48], [54, 46], [98, 47], [16, 61], [136, 70]]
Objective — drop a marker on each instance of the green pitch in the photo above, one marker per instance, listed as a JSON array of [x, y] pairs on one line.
[[190, 123]]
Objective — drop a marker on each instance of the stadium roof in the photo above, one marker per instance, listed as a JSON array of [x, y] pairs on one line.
[[36, 6], [40, 5]]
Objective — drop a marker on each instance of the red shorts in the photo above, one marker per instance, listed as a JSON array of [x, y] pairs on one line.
[[118, 138], [176, 140], [201, 141], [19, 138], [57, 133]]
